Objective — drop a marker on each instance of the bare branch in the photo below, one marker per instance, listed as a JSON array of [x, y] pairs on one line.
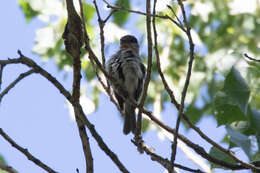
[[149, 68], [253, 59], [164, 162], [102, 38], [1, 75], [76, 81], [187, 81], [145, 14], [174, 14], [26, 153], [21, 76]]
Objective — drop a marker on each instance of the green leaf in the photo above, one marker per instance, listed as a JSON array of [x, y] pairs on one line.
[[145, 125], [225, 110], [236, 88], [27, 10], [240, 140], [194, 113], [120, 17], [89, 12], [254, 117], [221, 156]]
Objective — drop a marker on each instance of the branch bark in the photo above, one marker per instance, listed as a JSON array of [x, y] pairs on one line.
[[73, 36]]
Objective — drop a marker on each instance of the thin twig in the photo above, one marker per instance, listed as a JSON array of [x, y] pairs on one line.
[[109, 15], [1, 75], [21, 76], [253, 59], [145, 14], [174, 14], [102, 38], [164, 162], [187, 81], [102, 23], [26, 153]]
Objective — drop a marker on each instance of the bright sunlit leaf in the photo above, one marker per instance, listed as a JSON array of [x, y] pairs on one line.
[[120, 17], [27, 10]]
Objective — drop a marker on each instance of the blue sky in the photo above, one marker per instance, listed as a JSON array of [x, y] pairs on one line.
[[35, 115]]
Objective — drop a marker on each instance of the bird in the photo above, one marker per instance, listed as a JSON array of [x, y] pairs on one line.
[[126, 67]]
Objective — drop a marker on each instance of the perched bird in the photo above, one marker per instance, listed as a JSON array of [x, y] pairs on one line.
[[127, 69]]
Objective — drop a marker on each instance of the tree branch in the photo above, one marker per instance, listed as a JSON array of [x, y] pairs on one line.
[[73, 29], [149, 68], [21, 76], [30, 63], [253, 59], [145, 14], [187, 81], [164, 162], [26, 153], [1, 75]]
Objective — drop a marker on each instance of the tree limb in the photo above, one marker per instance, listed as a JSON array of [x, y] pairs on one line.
[[253, 59], [26, 153], [30, 63], [74, 30], [21, 76], [187, 81], [1, 75]]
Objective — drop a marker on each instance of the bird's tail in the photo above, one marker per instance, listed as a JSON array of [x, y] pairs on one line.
[[130, 120]]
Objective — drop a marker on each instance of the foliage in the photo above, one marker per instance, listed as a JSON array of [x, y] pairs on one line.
[[222, 80]]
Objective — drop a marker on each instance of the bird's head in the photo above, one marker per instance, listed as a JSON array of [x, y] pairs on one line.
[[129, 41]]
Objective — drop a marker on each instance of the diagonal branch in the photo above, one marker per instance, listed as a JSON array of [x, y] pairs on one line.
[[21, 76], [164, 162], [253, 59], [26, 153]]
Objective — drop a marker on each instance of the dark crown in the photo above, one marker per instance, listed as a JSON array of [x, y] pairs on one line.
[[128, 39]]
